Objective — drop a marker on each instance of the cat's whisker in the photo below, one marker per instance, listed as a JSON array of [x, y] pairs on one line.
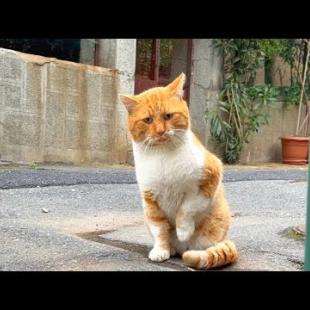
[[179, 138], [178, 130], [148, 144], [176, 139], [145, 142]]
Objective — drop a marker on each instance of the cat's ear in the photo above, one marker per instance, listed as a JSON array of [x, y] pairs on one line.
[[129, 102], [177, 85]]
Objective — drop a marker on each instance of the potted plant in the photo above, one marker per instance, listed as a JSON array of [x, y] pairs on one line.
[[295, 147]]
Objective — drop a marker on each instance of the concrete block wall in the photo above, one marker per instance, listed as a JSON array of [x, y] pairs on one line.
[[59, 111]]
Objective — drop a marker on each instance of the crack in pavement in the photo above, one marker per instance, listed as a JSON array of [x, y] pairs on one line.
[[299, 264]]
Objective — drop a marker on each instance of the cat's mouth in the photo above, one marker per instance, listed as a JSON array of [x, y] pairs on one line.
[[169, 138], [162, 139]]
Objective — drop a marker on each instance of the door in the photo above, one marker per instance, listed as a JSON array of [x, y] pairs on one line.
[[159, 61]]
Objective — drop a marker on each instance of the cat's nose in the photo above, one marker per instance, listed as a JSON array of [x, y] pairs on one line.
[[160, 130]]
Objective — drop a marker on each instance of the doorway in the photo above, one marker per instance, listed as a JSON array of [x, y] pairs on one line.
[[159, 61]]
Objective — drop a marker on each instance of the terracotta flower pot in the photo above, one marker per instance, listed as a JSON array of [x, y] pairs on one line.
[[295, 150]]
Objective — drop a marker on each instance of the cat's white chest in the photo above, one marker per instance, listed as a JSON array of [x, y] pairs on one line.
[[170, 175]]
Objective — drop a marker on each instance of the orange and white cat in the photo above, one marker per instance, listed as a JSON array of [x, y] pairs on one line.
[[179, 180]]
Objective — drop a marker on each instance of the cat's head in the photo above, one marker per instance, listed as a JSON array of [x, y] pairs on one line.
[[158, 116]]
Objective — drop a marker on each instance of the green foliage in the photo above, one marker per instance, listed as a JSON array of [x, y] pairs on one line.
[[290, 95], [33, 165], [166, 46], [292, 50], [144, 52], [241, 109], [241, 106], [271, 47], [242, 58], [241, 112]]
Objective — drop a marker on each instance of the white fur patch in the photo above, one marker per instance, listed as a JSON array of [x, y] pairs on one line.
[[185, 232], [155, 231], [159, 255], [173, 175]]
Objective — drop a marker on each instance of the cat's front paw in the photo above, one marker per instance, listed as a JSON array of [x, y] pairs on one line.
[[184, 234], [159, 255]]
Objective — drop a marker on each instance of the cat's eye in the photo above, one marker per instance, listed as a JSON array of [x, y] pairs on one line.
[[148, 120], [167, 116]]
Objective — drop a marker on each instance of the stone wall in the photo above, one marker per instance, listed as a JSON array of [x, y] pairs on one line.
[[59, 111]]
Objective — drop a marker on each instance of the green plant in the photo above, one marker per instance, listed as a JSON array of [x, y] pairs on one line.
[[33, 165], [241, 112], [242, 58], [271, 47], [300, 124], [296, 54], [241, 105], [290, 94]]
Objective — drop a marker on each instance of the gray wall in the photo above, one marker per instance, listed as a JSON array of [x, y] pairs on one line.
[[265, 146], [179, 57], [206, 83], [59, 111], [120, 54], [87, 51]]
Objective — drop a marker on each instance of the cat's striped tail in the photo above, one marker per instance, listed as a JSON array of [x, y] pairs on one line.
[[223, 253]]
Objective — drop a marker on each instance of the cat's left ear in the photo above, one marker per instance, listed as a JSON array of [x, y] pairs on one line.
[[177, 85], [129, 102]]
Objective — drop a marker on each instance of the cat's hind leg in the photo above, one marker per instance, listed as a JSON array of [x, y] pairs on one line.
[[208, 247], [192, 204]]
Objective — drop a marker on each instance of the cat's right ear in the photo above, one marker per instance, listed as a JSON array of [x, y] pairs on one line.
[[129, 102]]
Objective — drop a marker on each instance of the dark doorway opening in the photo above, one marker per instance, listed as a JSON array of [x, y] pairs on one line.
[[64, 49]]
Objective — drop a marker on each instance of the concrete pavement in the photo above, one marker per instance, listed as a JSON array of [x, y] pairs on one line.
[[63, 218]]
